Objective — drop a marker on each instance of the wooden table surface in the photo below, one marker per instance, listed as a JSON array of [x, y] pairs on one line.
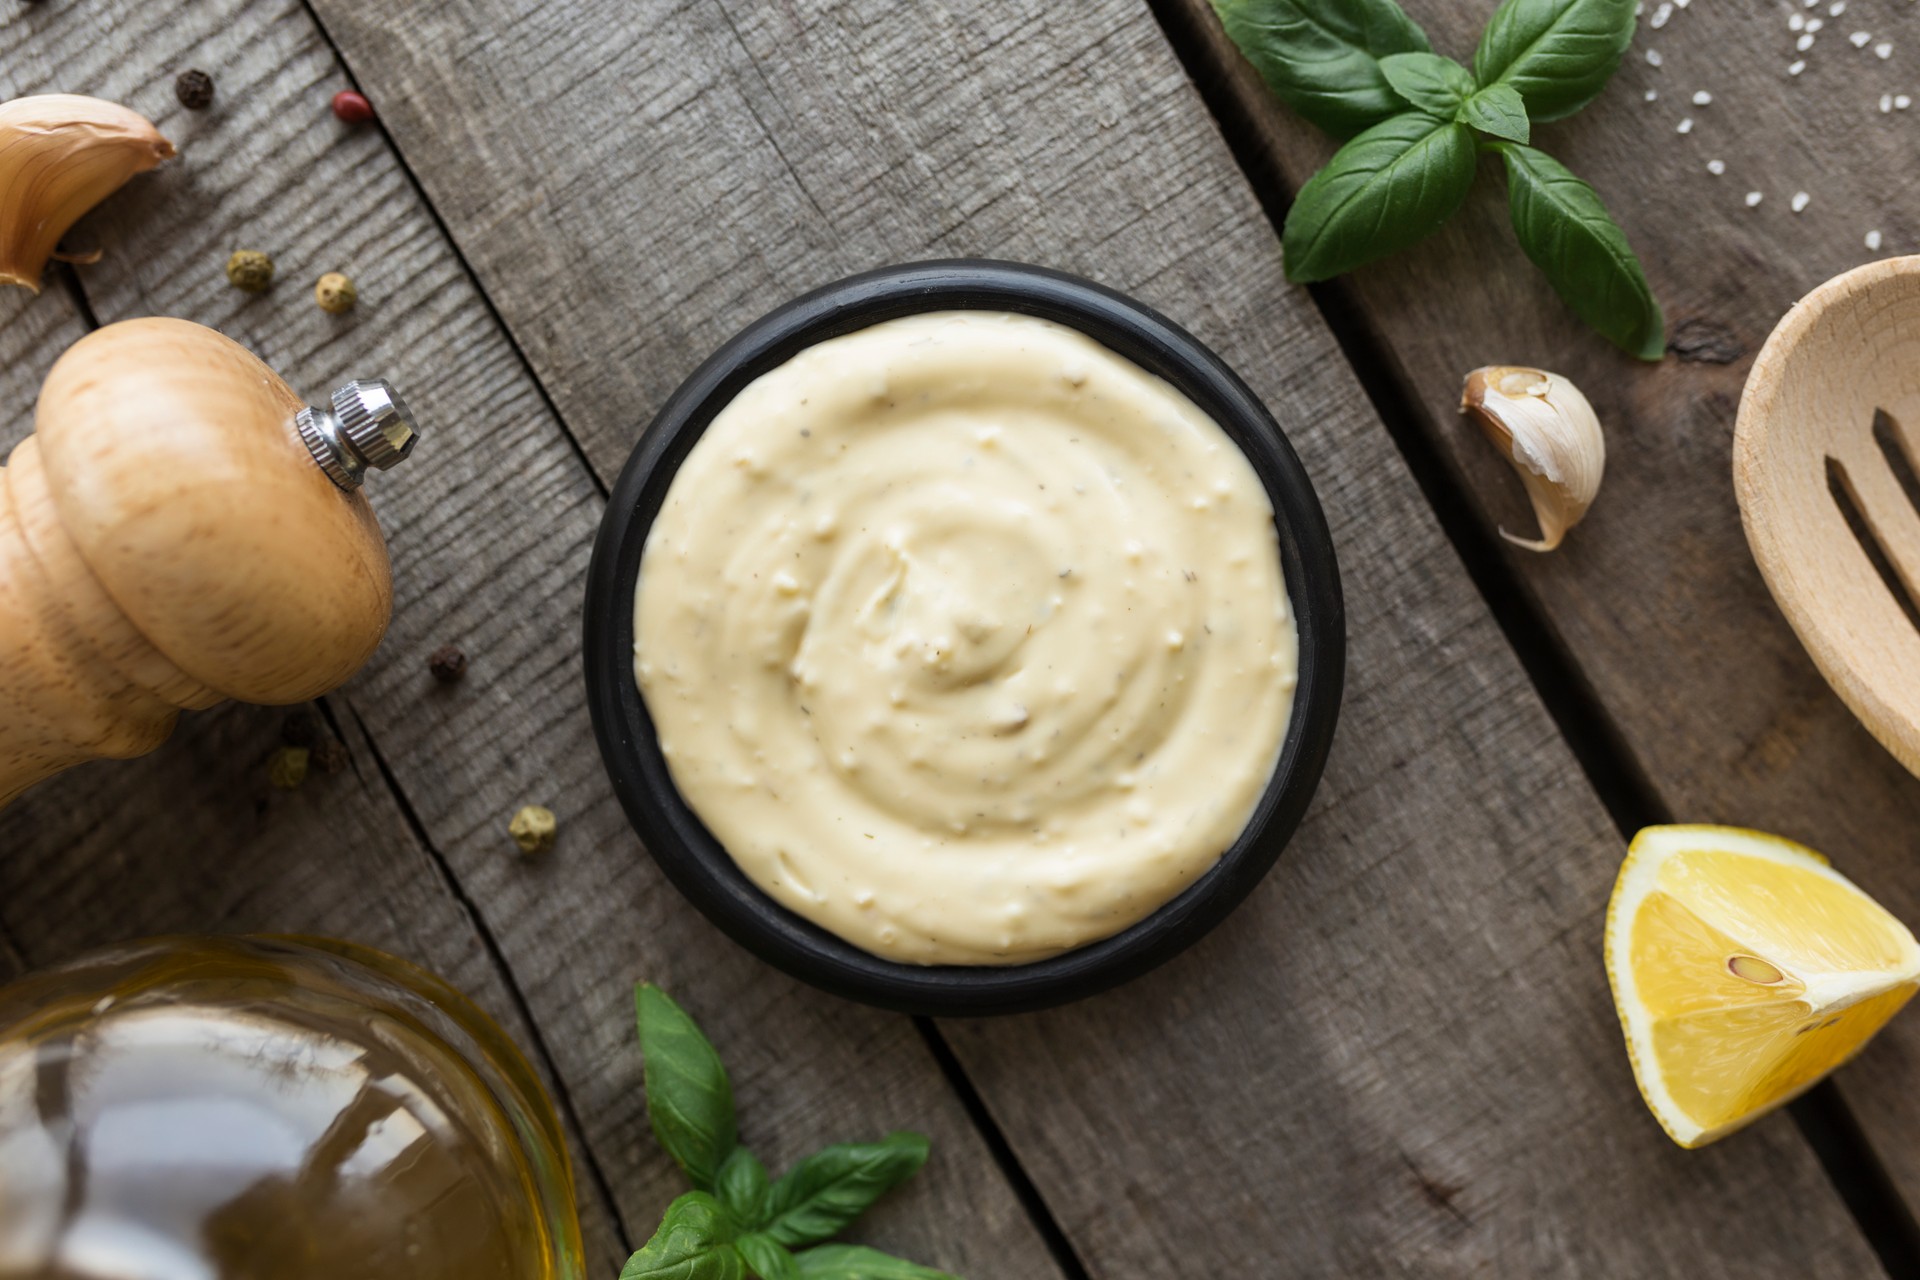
[[1400, 1056]]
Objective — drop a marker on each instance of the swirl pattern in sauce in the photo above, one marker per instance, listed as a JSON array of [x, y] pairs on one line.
[[967, 638]]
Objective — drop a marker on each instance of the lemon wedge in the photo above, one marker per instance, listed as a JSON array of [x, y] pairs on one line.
[[1744, 969]]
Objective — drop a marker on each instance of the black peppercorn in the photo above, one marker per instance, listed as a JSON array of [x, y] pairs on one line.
[[447, 664], [194, 89], [301, 729]]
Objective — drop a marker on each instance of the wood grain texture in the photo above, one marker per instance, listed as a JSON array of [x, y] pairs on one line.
[[193, 839], [1656, 596], [489, 525], [1400, 1057]]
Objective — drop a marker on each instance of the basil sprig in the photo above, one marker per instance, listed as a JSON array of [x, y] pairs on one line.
[[738, 1223], [1363, 70]]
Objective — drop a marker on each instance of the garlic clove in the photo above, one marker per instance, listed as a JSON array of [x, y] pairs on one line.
[[61, 154], [1543, 426]]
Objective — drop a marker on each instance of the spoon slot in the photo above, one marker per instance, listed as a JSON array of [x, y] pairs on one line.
[[1898, 447], [1846, 498]]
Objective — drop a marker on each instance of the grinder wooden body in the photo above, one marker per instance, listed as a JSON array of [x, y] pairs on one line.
[[167, 540]]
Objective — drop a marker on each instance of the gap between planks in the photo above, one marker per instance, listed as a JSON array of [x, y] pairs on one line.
[[1024, 1189], [1822, 1115], [506, 332], [563, 1097]]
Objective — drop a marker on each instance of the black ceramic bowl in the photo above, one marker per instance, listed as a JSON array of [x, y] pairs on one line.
[[694, 860]]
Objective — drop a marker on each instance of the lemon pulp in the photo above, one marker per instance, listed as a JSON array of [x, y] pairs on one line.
[[1744, 969]]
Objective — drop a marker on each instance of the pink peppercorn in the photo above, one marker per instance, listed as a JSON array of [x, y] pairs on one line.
[[352, 107]]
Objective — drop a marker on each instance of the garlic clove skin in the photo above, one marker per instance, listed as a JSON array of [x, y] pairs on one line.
[[61, 154], [1543, 426]]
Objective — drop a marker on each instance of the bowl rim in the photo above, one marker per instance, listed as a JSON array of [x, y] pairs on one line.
[[695, 862]]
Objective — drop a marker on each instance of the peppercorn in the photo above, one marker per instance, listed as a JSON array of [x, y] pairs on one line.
[[447, 664], [194, 89], [351, 107], [329, 756], [250, 270], [335, 293], [301, 729], [533, 829], [287, 768]]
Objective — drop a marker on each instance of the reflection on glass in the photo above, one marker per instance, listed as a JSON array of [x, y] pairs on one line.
[[270, 1109]]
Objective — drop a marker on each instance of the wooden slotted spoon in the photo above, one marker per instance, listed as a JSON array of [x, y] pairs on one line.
[[1825, 456]]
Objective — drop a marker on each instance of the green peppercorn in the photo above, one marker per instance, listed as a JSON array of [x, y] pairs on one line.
[[287, 768], [335, 293], [250, 270], [534, 829]]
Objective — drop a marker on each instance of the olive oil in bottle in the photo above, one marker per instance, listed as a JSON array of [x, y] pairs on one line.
[[270, 1109]]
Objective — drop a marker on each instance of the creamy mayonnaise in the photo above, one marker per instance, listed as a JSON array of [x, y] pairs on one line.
[[967, 638]]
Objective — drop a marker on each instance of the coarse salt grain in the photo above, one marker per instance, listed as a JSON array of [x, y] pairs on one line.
[[1800, 201], [1753, 198], [1883, 50], [1716, 167], [1795, 68], [1797, 22], [1661, 15], [1680, 4], [1859, 39], [1901, 102], [1804, 43], [1873, 240], [1685, 125], [1653, 58], [1814, 24], [1837, 8], [1651, 94], [1702, 98], [1886, 103]]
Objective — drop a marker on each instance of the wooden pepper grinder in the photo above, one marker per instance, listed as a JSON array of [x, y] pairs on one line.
[[181, 528]]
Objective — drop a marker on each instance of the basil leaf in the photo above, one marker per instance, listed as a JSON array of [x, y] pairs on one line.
[[766, 1259], [1320, 57], [1436, 85], [694, 1242], [1497, 111], [855, 1262], [1557, 54], [741, 1186], [1383, 191], [689, 1100], [1569, 235], [836, 1184]]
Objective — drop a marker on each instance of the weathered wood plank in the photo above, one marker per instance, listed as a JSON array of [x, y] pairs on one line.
[[193, 839], [1656, 596], [490, 525], [1398, 1057]]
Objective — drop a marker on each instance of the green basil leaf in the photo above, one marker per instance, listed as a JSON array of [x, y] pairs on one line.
[[767, 1259], [689, 1100], [855, 1262], [1569, 235], [1557, 54], [833, 1186], [1497, 111], [694, 1242], [1321, 57], [741, 1186], [1388, 188], [1436, 85]]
